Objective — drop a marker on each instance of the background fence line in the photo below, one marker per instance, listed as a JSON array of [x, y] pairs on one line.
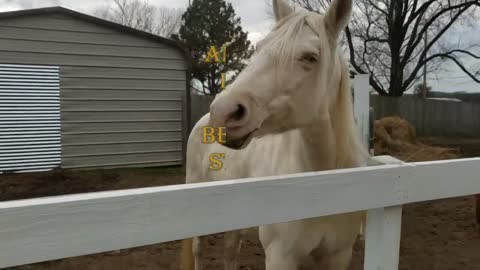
[[430, 117]]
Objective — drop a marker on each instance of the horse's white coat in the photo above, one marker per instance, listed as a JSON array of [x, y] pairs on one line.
[[303, 114]]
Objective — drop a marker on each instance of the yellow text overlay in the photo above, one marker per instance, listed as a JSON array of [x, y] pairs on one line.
[[209, 136], [215, 161], [213, 53]]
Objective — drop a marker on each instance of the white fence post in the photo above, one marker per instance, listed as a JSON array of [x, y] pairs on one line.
[[361, 105], [383, 226], [361, 110], [383, 233]]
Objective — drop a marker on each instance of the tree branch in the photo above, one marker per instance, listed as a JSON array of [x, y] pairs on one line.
[[463, 7], [430, 44], [460, 65], [351, 48]]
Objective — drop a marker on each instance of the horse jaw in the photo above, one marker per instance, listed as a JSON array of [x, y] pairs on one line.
[[240, 143]]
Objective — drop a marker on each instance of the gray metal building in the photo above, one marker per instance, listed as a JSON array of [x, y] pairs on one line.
[[82, 92]]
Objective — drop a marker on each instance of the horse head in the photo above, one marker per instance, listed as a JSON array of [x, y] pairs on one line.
[[292, 78]]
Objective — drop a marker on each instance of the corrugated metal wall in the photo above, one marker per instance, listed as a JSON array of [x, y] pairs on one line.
[[29, 118], [121, 95]]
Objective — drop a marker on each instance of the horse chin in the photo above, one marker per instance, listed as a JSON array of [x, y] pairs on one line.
[[273, 128], [239, 143]]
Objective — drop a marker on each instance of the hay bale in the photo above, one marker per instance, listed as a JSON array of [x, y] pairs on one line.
[[397, 137], [395, 128]]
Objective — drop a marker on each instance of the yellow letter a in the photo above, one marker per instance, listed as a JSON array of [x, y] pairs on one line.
[[212, 53]]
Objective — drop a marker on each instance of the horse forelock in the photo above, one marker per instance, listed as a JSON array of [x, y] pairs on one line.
[[284, 39]]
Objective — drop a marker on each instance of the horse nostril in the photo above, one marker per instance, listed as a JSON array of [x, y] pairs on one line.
[[239, 113], [238, 117]]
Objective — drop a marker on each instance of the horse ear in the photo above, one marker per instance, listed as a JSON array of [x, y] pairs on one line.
[[281, 9], [338, 15]]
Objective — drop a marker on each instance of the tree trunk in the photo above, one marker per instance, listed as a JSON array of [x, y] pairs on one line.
[[397, 35], [212, 86], [396, 73], [396, 83]]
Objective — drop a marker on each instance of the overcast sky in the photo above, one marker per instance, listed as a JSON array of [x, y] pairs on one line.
[[253, 14]]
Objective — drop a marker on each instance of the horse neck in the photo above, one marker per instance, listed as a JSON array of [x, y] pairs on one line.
[[330, 144], [333, 141], [319, 145]]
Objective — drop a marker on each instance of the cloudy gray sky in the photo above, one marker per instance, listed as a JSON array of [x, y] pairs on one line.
[[255, 20]]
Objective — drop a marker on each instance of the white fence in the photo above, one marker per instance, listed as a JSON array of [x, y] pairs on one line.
[[52, 228], [45, 229]]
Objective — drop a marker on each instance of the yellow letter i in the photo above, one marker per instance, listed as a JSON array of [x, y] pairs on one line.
[[223, 80], [224, 54], [224, 61]]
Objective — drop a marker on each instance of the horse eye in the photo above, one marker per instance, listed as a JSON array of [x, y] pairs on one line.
[[309, 57]]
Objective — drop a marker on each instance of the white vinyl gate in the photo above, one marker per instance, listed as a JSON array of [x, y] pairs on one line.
[[30, 138]]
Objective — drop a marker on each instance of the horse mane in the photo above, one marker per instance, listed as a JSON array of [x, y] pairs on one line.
[[350, 151]]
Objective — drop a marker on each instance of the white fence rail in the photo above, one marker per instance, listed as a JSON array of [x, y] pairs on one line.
[[51, 228]]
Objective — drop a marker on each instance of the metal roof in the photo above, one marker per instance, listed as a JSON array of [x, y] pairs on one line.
[[82, 16]]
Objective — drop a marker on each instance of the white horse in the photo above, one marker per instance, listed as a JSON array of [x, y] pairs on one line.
[[289, 111]]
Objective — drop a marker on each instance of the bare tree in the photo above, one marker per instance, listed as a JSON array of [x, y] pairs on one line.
[[393, 40], [168, 21], [143, 16]]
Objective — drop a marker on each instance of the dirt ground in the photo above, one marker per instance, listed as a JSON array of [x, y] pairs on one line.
[[436, 235]]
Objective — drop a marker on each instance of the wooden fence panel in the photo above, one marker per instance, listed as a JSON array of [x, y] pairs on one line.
[[432, 117]]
